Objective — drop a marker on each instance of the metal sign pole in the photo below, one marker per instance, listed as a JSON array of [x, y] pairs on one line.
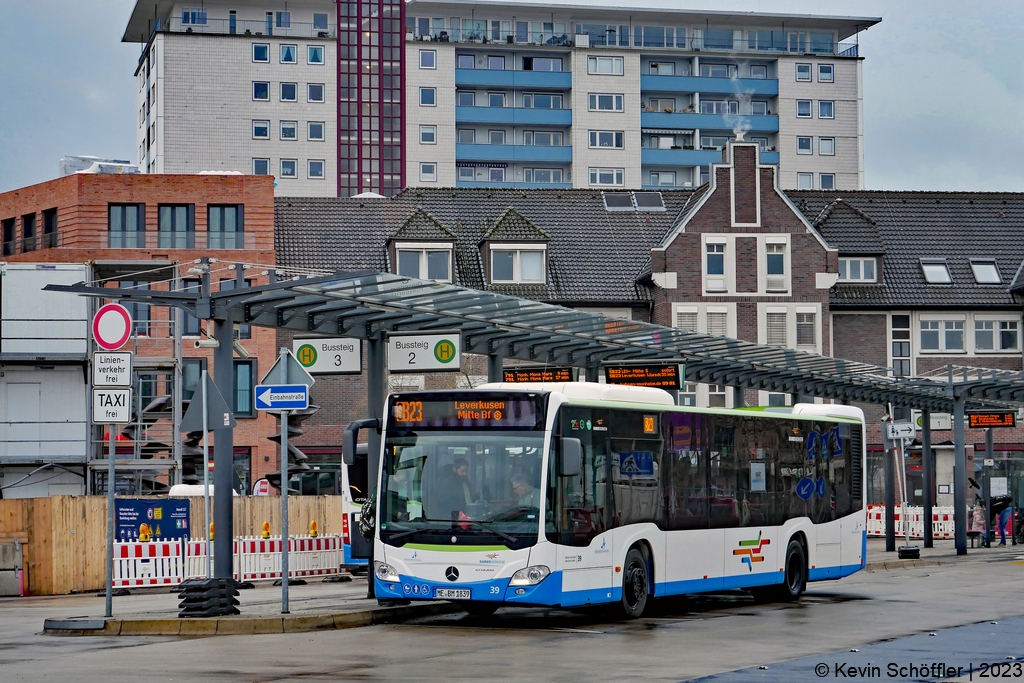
[[284, 492], [903, 472], [206, 478], [110, 524]]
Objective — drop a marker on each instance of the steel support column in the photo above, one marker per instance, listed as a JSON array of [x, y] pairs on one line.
[[890, 500], [959, 476], [495, 367], [376, 392], [224, 449], [928, 474], [593, 373]]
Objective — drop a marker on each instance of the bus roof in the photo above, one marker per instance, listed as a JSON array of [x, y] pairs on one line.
[[590, 391]]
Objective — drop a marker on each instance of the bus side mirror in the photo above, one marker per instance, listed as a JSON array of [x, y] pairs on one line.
[[348, 439], [571, 462]]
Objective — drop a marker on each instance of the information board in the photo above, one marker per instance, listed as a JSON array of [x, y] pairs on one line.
[[661, 376], [329, 355], [479, 410], [539, 374], [139, 519], [992, 418], [424, 353]]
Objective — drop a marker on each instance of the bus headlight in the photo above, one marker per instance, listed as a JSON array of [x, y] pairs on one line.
[[530, 576], [385, 572]]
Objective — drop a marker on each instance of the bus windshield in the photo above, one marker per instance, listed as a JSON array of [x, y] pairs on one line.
[[479, 481]]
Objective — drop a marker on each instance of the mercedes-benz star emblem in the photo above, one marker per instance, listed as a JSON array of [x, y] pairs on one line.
[[452, 574]]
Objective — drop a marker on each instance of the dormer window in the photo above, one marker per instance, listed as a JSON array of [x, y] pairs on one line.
[[518, 263], [857, 269], [985, 272], [425, 261], [936, 272]]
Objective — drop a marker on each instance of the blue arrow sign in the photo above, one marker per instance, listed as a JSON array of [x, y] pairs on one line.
[[820, 487], [282, 396], [805, 488]]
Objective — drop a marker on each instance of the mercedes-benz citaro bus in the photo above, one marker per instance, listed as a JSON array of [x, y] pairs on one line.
[[571, 494]]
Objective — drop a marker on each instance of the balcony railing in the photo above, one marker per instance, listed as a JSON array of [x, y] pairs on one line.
[[245, 27], [533, 153], [153, 239], [514, 115]]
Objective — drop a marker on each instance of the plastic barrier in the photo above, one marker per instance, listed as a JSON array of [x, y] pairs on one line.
[[155, 563], [942, 521], [320, 556], [260, 558], [195, 559]]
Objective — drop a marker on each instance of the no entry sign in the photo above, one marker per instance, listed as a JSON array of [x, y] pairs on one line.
[[111, 326]]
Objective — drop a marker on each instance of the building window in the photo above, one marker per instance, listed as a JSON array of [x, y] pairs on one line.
[[28, 232], [428, 135], [466, 136], [192, 325], [995, 335], [125, 226], [806, 330], [49, 228], [718, 70], [542, 138], [320, 21], [191, 376], [516, 265], [261, 130], [775, 329], [284, 19], [803, 109], [827, 147], [605, 102], [826, 73], [496, 137], [466, 99], [495, 99], [289, 92], [176, 226], [717, 394], [540, 101], [314, 54], [261, 166], [139, 312], [718, 323], [242, 330], [467, 173], [289, 54], [315, 169], [942, 335], [288, 167], [542, 175], [805, 181], [244, 381], [936, 272], [261, 91], [605, 65], [804, 145], [901, 345], [777, 400], [428, 59], [775, 267], [759, 71], [723, 107], [826, 109], [662, 69], [260, 52], [314, 92], [425, 263], [289, 130], [428, 173], [315, 130], [803, 72], [666, 178], [985, 272], [466, 62], [827, 181], [9, 240], [857, 270], [715, 258], [688, 395], [496, 174], [542, 64], [428, 97], [224, 226], [758, 108], [496, 62], [607, 176]]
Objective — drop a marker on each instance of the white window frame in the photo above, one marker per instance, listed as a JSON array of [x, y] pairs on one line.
[[263, 122], [460, 93], [428, 176], [810, 144], [997, 321], [423, 248], [431, 90], [502, 95], [295, 168], [263, 160], [774, 244], [309, 169], [280, 91], [595, 173], [593, 100], [844, 264], [943, 324], [467, 172], [433, 54], [490, 132], [925, 263], [517, 266], [594, 139], [810, 109], [309, 131], [260, 99], [985, 262], [821, 181], [496, 174], [530, 175], [831, 73], [295, 50], [809, 177], [323, 90], [460, 131], [832, 104], [822, 142], [266, 46], [797, 69], [790, 311], [432, 130], [717, 284], [596, 65], [295, 127], [311, 49]]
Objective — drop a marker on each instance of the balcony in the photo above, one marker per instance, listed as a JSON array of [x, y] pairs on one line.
[[508, 185], [690, 84], [516, 116], [245, 27], [679, 121], [539, 80], [692, 157], [532, 153], [138, 239]]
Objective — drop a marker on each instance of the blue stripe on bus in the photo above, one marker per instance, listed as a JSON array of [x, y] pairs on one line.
[[348, 559]]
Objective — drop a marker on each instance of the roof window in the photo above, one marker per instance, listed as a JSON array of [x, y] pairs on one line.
[[618, 201], [633, 201], [985, 272], [936, 272], [649, 201]]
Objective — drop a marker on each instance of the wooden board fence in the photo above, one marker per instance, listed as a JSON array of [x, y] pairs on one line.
[[65, 537]]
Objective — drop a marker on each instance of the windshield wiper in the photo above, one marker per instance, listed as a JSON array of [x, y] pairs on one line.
[[403, 534]]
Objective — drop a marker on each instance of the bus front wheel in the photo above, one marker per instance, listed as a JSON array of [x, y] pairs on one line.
[[635, 584]]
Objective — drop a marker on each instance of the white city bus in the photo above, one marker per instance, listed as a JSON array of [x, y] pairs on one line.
[[579, 493]]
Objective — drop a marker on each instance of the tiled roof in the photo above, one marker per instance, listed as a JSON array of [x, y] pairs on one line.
[[955, 226], [420, 225], [594, 255]]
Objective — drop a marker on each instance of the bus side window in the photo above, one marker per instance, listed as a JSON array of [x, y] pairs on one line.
[[685, 470], [580, 500]]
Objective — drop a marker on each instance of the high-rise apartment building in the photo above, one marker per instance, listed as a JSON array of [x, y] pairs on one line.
[[373, 95]]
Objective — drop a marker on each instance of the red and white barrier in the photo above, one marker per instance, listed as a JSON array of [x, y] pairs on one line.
[[942, 521], [157, 563]]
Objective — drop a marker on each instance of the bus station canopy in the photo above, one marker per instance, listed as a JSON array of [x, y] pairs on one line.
[[368, 305]]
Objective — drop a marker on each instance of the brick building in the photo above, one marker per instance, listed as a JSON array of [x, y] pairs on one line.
[[146, 231]]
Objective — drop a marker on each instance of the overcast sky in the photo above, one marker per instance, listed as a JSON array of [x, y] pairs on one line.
[[943, 87]]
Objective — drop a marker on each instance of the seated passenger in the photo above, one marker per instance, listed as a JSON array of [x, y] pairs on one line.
[[529, 497]]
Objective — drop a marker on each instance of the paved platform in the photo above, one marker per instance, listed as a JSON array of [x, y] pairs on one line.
[[942, 552]]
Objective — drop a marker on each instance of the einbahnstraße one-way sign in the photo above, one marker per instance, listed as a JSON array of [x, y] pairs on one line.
[[282, 397]]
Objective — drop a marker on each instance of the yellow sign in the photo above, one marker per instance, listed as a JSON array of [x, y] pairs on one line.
[[307, 355], [444, 351]]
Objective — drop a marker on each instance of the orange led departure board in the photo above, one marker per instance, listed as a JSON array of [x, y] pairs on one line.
[[992, 418], [469, 409], [538, 374], [661, 376]]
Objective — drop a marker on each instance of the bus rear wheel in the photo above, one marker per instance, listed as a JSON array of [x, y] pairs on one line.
[[794, 578], [635, 584], [480, 609]]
